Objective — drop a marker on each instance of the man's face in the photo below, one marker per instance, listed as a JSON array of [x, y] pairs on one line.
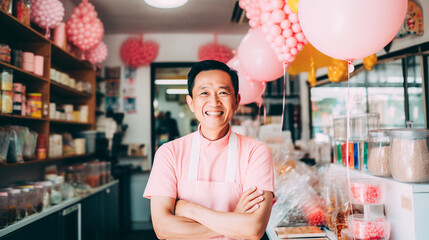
[[213, 101]]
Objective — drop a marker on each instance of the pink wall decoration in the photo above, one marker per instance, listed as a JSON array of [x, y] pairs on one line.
[[47, 14], [84, 29], [96, 54], [215, 51], [135, 53]]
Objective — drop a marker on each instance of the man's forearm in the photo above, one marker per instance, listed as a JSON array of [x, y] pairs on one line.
[[175, 227], [231, 224]]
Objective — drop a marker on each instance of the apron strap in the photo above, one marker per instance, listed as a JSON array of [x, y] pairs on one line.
[[231, 165], [195, 157]]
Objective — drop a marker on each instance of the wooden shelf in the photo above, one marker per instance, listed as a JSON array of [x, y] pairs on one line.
[[29, 162], [57, 121], [21, 33], [58, 89], [21, 75], [71, 157], [65, 61], [5, 115]]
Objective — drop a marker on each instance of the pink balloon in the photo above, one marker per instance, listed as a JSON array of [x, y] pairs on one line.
[[287, 9], [285, 24], [275, 30], [278, 15], [287, 33], [280, 40], [300, 37], [249, 90], [291, 42], [351, 29], [257, 58], [277, 4], [265, 17], [296, 28], [293, 17]]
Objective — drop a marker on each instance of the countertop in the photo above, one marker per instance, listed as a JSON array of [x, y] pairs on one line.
[[30, 219]]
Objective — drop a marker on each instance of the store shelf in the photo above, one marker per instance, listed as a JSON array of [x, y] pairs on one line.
[[65, 61], [5, 115], [36, 161], [18, 32], [58, 89], [72, 156], [57, 121], [22, 75]]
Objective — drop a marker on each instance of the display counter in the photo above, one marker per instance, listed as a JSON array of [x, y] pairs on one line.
[[104, 197]]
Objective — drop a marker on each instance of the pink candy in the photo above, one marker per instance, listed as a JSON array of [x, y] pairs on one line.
[[378, 228], [367, 193]]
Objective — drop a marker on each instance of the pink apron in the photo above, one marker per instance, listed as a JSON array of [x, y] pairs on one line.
[[219, 196]]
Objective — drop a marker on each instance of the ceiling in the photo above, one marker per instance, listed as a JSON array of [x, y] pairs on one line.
[[196, 16]]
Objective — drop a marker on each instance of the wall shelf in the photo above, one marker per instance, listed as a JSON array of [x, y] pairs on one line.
[[27, 77], [57, 121], [58, 89]]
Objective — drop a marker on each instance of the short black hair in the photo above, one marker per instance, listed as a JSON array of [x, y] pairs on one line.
[[208, 65]]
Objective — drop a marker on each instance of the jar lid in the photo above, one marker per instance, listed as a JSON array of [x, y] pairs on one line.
[[379, 133], [35, 94], [26, 187], [409, 133]]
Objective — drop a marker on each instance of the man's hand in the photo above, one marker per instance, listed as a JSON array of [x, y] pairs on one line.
[[249, 201], [181, 208]]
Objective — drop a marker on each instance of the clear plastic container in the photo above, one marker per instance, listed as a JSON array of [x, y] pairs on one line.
[[21, 203], [47, 189], [379, 153], [92, 174], [12, 208], [102, 170], [3, 209], [375, 228], [359, 127], [409, 155], [367, 191], [38, 192], [56, 196]]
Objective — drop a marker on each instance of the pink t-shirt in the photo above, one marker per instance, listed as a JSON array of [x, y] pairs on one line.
[[255, 165]]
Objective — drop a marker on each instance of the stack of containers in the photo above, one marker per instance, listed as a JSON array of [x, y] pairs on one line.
[[360, 125], [372, 224], [6, 86], [28, 61]]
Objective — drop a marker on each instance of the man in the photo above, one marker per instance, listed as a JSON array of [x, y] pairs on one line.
[[212, 183]]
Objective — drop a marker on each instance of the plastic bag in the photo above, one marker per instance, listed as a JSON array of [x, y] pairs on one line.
[[30, 142], [14, 154], [4, 145]]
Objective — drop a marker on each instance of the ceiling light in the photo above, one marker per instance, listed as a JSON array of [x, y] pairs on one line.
[[171, 81], [177, 91], [166, 3]]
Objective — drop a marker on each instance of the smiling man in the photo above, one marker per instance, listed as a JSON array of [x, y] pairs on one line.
[[212, 183]]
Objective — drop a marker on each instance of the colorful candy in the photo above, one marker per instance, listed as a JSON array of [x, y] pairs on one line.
[[367, 191], [368, 229]]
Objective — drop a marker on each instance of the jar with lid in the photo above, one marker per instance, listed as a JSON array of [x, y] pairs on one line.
[[409, 155], [30, 195], [92, 174], [21, 202], [379, 153], [21, 10], [13, 203], [38, 193], [102, 170], [6, 6], [3, 209], [46, 196], [56, 196]]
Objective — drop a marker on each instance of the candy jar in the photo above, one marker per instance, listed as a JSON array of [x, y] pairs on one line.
[[379, 153], [3, 209]]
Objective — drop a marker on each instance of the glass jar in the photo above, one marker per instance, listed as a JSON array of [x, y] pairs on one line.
[[38, 193], [379, 153], [21, 10], [30, 195], [409, 155], [102, 170], [46, 195], [56, 196], [3, 209], [12, 208], [6, 6], [21, 202], [108, 172], [92, 174]]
